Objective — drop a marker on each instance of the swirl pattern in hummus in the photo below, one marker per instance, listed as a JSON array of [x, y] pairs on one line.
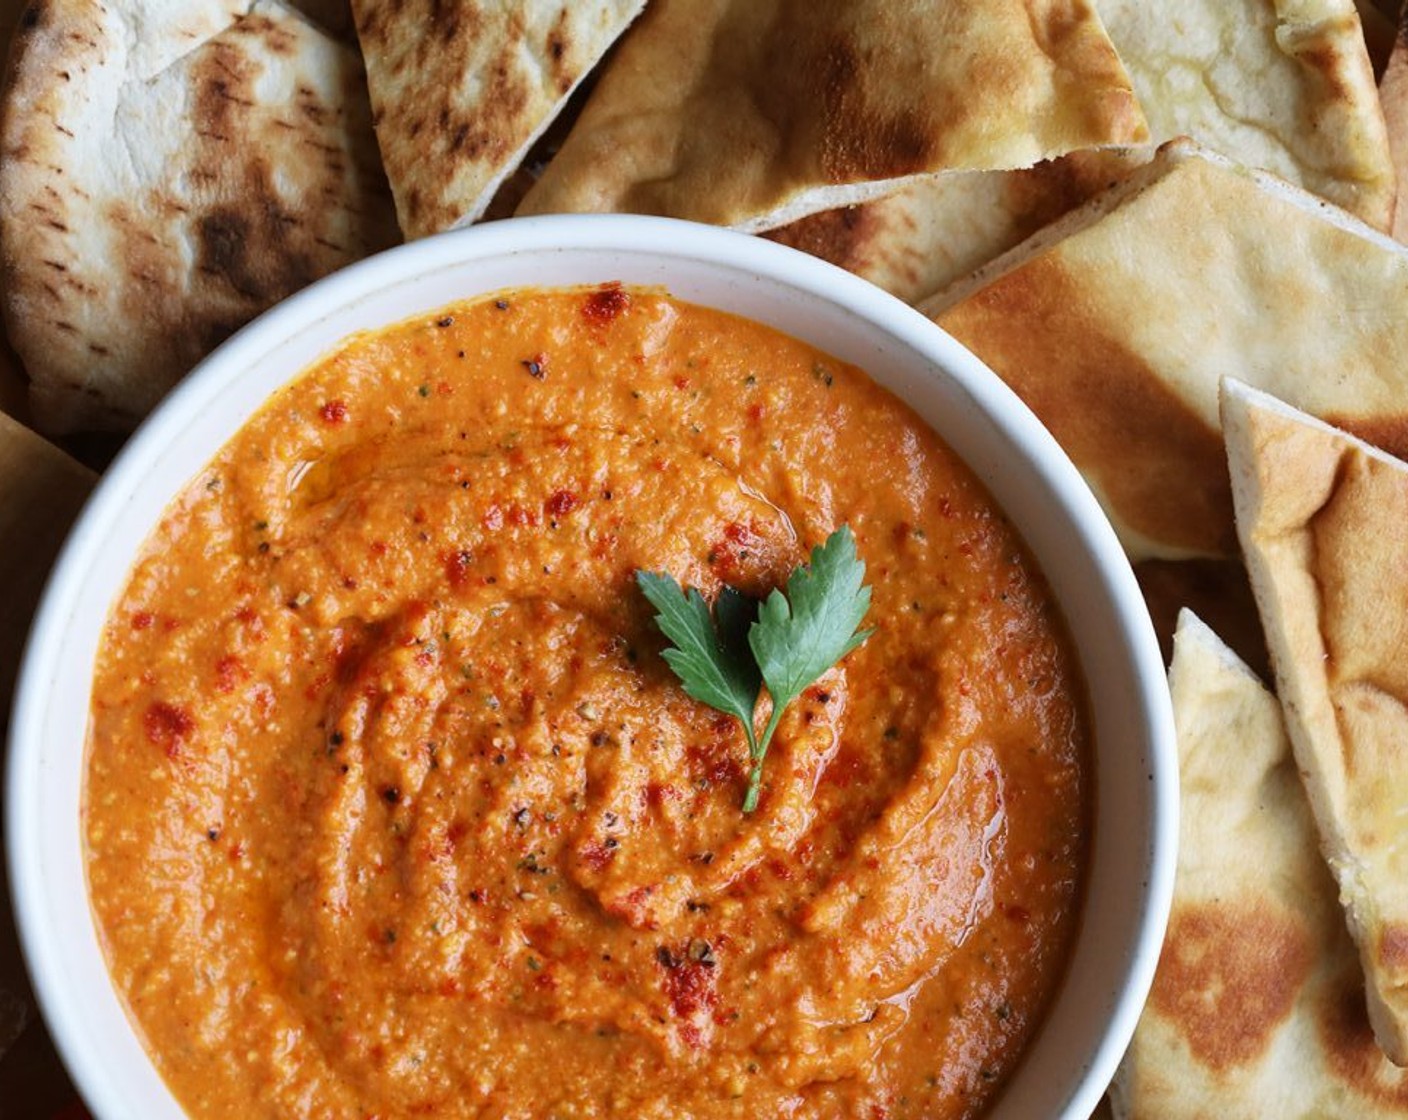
[[394, 809]]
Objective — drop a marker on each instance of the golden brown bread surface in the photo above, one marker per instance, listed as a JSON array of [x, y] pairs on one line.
[[1288, 88], [1257, 1008], [751, 113], [1323, 523], [934, 230], [167, 171], [1115, 324]]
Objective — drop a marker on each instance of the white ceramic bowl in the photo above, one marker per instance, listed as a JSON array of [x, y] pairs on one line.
[[1132, 856]]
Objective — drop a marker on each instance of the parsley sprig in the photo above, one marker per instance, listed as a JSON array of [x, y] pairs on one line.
[[724, 656]]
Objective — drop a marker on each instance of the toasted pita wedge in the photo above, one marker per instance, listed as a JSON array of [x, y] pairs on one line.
[[1115, 323], [461, 89], [1286, 88], [753, 114], [1280, 85], [1257, 1008], [167, 171], [937, 229], [1323, 521]]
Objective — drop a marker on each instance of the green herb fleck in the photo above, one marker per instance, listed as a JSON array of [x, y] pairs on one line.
[[723, 657]]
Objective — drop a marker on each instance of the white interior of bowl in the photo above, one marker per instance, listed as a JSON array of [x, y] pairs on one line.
[[1131, 874]]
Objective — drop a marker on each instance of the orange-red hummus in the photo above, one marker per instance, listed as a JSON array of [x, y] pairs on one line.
[[393, 808]]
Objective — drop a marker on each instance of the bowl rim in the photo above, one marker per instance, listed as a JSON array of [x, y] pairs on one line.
[[651, 236]]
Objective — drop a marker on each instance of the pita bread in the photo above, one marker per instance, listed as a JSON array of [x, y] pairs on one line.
[[751, 114], [1257, 1008], [936, 229], [461, 89], [1286, 88], [1115, 323], [1323, 521], [167, 171]]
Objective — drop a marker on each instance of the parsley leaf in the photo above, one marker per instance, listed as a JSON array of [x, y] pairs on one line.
[[723, 657], [799, 636], [712, 661]]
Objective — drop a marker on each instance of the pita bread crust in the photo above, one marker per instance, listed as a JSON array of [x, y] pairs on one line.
[[934, 230], [778, 109], [1115, 323], [1286, 86], [461, 89], [1257, 1006], [144, 218], [1308, 114], [1323, 521]]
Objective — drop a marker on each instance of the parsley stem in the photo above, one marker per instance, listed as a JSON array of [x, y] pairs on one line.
[[758, 750]]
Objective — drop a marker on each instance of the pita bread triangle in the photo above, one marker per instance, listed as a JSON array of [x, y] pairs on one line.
[[752, 114], [934, 230], [1283, 87], [1286, 89], [1257, 1007], [461, 89], [201, 161], [1323, 522], [1116, 322]]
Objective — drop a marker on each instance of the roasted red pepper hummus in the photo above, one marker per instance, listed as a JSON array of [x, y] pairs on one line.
[[394, 809]]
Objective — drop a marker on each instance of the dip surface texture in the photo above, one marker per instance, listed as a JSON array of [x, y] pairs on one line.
[[394, 810]]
